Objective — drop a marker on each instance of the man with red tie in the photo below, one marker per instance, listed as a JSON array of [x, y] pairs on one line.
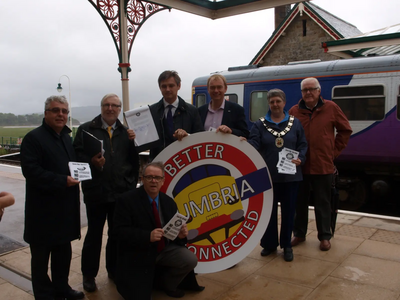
[[139, 217]]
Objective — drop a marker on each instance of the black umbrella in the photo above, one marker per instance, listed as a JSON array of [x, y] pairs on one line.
[[334, 200]]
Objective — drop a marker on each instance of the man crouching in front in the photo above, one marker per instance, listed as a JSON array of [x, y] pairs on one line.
[[139, 217]]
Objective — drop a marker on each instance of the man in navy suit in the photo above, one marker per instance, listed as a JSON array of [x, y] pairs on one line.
[[221, 115]]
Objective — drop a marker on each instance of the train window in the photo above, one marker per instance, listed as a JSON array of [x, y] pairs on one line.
[[258, 105], [231, 98], [361, 103], [200, 100]]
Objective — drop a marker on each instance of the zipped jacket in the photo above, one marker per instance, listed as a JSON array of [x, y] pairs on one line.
[[319, 126]]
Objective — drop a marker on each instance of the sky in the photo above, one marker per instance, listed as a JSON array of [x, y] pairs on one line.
[[42, 40]]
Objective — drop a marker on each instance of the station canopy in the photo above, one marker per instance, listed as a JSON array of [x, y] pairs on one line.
[[216, 9]]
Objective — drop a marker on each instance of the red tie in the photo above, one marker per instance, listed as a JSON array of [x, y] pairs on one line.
[[161, 243]]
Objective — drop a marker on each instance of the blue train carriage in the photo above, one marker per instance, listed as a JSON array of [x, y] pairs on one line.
[[367, 90]]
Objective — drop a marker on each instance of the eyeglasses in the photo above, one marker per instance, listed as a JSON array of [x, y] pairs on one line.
[[150, 178], [305, 91], [56, 110], [113, 106]]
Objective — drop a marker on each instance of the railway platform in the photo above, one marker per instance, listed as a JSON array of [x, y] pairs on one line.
[[364, 263]]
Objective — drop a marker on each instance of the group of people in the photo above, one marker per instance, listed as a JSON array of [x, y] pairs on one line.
[[137, 254]]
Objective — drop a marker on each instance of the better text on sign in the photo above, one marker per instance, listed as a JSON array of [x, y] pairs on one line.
[[224, 186]]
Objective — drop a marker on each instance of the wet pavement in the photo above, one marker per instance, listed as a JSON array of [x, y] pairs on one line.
[[364, 263]]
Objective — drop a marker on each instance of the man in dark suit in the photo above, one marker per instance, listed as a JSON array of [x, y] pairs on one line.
[[113, 172], [139, 217], [173, 117], [221, 115], [52, 213]]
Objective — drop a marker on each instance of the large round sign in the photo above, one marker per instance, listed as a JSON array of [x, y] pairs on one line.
[[223, 185]]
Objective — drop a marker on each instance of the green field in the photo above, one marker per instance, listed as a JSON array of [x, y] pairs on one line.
[[15, 132], [12, 134]]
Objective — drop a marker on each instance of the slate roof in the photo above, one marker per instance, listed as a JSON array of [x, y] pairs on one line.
[[384, 41], [334, 26]]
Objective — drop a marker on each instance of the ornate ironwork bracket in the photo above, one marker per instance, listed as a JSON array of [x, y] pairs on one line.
[[137, 12]]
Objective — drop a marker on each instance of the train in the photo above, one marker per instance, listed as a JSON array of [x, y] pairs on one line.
[[368, 91]]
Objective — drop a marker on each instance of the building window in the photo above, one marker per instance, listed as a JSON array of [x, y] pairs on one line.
[[361, 103], [304, 27], [258, 105], [231, 98], [200, 99]]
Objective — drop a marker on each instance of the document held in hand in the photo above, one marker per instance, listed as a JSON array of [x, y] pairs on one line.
[[80, 171], [141, 121], [91, 144], [172, 228]]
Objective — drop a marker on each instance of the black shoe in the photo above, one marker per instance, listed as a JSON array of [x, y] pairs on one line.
[[72, 295], [89, 284], [288, 254], [266, 252], [197, 288], [175, 294]]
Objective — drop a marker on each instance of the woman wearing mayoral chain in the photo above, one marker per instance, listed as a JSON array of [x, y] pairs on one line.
[[269, 135]]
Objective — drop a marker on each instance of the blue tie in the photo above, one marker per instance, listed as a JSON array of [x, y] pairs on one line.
[[169, 120]]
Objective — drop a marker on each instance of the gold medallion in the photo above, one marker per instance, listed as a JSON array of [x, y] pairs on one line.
[[279, 142]]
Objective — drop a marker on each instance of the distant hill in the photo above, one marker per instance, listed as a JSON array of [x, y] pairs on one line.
[[85, 113]]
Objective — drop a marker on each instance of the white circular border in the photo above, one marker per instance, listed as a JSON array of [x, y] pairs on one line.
[[242, 146]]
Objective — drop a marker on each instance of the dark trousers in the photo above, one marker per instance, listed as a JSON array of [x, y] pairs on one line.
[[43, 287], [321, 187], [97, 214], [286, 194]]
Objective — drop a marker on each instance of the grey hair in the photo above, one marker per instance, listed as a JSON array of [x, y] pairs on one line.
[[276, 93], [156, 164], [311, 79], [108, 96], [59, 99]]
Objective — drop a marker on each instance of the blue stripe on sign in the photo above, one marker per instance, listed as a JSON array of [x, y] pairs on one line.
[[256, 183]]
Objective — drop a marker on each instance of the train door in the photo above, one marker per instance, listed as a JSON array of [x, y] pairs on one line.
[[255, 97], [235, 93]]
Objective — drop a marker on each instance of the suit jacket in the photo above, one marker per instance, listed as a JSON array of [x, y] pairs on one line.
[[52, 210], [133, 223], [233, 117], [186, 117]]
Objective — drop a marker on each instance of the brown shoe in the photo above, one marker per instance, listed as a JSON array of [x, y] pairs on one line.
[[297, 240], [325, 245]]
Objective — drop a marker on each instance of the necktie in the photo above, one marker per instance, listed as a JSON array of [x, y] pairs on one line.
[[169, 120], [109, 131], [161, 243]]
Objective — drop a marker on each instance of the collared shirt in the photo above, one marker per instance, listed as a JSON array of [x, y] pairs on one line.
[[156, 199], [158, 207], [173, 109], [105, 125], [214, 117], [268, 117]]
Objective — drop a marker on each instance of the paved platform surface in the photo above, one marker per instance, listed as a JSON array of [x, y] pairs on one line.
[[364, 263]]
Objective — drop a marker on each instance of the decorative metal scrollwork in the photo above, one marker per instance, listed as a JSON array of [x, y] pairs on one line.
[[137, 13]]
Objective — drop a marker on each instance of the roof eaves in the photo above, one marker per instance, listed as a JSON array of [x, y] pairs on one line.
[[275, 35], [309, 10]]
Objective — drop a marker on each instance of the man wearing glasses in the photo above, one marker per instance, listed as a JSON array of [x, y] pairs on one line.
[[140, 215], [113, 172], [52, 208], [320, 118]]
